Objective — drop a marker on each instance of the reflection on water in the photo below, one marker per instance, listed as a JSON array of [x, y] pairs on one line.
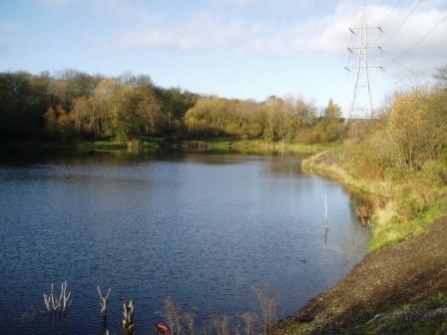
[[204, 229]]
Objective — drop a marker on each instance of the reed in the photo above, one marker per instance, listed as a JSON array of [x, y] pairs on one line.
[[250, 320], [217, 326], [174, 317], [268, 309]]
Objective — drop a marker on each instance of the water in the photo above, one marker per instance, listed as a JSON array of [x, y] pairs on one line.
[[206, 230]]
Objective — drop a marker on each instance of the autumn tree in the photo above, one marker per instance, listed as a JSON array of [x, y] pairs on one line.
[[200, 119], [174, 104], [254, 121], [330, 127], [436, 125], [126, 122], [417, 124], [149, 112], [274, 109], [332, 111]]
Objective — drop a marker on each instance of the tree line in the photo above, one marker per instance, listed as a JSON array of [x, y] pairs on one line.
[[77, 105], [73, 105]]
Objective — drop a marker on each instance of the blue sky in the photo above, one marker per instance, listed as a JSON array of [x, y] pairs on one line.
[[247, 49]]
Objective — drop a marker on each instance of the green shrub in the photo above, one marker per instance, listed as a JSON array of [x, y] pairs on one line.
[[410, 205]]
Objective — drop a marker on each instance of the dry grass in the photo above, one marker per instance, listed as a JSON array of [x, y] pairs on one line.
[[249, 323]]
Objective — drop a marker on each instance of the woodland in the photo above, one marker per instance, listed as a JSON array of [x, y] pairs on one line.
[[71, 105]]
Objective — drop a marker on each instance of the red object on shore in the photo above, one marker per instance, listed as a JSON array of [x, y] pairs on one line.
[[163, 329]]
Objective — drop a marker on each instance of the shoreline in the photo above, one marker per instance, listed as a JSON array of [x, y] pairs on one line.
[[397, 288], [151, 145]]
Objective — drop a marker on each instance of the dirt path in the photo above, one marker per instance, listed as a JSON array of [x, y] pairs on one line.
[[400, 289]]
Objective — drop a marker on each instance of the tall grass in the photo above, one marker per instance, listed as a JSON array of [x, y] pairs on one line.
[[184, 323]]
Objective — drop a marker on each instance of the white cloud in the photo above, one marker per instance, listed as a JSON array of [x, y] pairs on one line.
[[210, 29], [414, 39], [203, 31], [328, 34]]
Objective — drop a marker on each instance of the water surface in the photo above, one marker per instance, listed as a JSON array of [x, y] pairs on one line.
[[207, 230]]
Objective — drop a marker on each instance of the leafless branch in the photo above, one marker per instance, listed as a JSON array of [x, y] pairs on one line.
[[55, 304], [104, 301], [127, 322]]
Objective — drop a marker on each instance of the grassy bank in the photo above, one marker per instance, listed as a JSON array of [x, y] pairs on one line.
[[150, 145], [401, 285], [153, 144], [279, 147], [400, 209]]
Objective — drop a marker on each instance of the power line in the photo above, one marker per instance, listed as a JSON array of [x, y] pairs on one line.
[[362, 104], [418, 41], [403, 22], [418, 69], [353, 36], [389, 14], [426, 71]]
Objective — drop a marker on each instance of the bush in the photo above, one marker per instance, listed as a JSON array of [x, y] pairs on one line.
[[411, 205], [373, 156]]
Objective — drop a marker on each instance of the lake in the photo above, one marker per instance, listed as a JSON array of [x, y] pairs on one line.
[[207, 230]]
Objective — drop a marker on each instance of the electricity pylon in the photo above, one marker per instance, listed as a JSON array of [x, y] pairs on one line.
[[362, 102]]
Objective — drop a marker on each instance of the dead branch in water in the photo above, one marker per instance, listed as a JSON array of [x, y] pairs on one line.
[[127, 322], [54, 304], [104, 301]]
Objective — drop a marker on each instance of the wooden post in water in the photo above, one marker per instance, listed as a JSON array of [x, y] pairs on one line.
[[326, 218], [326, 215]]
